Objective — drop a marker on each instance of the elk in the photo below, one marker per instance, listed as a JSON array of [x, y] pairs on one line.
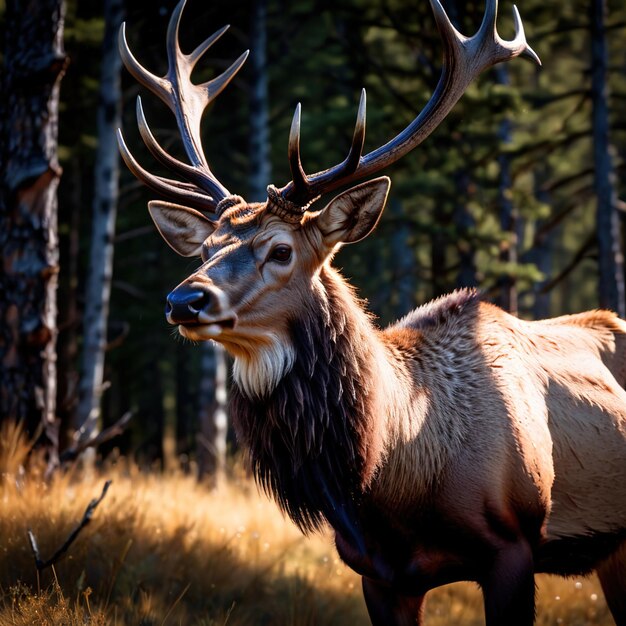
[[459, 443]]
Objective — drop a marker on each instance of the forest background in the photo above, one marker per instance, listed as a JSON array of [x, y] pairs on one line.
[[516, 193], [507, 195]]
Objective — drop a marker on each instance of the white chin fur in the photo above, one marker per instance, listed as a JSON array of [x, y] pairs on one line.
[[258, 375], [201, 333]]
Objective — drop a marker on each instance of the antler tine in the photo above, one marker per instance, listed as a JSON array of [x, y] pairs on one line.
[[298, 175], [188, 102], [174, 53], [444, 25], [489, 18], [302, 188], [159, 86], [187, 171], [169, 188], [502, 49], [196, 55], [464, 58], [351, 162], [215, 86], [520, 36]]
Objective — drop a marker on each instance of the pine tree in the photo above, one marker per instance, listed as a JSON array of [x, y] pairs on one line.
[[34, 63]]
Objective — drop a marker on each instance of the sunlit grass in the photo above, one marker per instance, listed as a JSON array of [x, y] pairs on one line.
[[162, 549]]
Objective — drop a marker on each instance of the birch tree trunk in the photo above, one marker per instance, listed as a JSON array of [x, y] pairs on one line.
[[186, 422], [34, 63], [213, 416], [103, 228], [611, 260], [212, 406]]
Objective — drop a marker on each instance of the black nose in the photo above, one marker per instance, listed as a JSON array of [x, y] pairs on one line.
[[184, 304]]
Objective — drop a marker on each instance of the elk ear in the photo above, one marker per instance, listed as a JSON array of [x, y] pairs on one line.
[[353, 214], [183, 229]]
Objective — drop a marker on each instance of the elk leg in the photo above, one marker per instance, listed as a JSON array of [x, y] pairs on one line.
[[386, 607], [509, 587], [612, 575]]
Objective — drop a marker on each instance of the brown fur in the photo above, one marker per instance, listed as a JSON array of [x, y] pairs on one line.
[[460, 443], [454, 434], [308, 441]]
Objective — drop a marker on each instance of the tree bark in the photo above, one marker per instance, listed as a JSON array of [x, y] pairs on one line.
[[34, 63], [611, 260], [260, 164], [103, 228], [186, 425], [150, 417], [213, 416]]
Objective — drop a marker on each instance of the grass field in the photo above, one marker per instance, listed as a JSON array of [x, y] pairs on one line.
[[162, 549]]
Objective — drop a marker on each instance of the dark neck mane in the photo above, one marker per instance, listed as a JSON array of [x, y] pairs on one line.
[[308, 439]]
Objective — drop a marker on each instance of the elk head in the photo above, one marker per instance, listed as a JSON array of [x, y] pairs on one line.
[[261, 262]]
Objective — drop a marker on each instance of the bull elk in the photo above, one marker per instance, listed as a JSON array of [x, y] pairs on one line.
[[459, 443]]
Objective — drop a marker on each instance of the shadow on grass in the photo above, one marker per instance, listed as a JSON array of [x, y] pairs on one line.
[[132, 566]]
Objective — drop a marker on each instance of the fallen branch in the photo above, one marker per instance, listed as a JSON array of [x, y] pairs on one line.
[[91, 507]]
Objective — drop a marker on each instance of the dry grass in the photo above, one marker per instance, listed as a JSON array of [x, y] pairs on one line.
[[162, 549]]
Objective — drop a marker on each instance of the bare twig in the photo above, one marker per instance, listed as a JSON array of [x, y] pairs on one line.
[[91, 507], [70, 454], [134, 232]]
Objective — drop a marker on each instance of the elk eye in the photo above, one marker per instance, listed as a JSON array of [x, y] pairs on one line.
[[281, 253]]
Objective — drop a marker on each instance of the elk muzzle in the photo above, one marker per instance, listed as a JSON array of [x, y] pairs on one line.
[[198, 305]]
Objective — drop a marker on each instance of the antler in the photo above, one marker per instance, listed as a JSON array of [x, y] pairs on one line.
[[188, 102], [464, 58]]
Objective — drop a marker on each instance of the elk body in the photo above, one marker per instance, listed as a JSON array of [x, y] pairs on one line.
[[460, 443]]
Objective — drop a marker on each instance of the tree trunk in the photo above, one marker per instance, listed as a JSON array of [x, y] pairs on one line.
[[67, 343], [34, 62], [213, 422], [150, 418], [103, 228], [185, 423], [260, 165], [213, 417], [611, 260], [508, 213], [464, 223], [438, 253], [404, 262]]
